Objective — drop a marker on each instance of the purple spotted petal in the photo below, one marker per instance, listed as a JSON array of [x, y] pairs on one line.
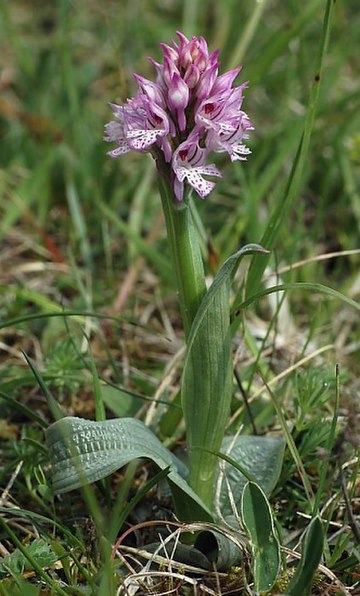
[[189, 164], [194, 177]]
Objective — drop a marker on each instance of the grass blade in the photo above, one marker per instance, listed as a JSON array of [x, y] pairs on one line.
[[295, 181], [52, 403], [319, 288], [24, 409]]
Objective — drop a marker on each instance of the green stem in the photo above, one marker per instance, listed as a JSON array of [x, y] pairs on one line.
[[186, 253], [189, 270]]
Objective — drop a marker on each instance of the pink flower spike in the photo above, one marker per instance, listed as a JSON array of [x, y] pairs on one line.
[[183, 116]]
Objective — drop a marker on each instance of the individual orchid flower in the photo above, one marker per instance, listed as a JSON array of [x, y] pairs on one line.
[[189, 164], [230, 140], [138, 125], [189, 112]]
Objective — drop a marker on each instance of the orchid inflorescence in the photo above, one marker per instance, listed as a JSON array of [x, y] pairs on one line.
[[189, 112]]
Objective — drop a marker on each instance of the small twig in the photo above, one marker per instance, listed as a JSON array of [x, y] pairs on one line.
[[141, 525], [161, 560], [6, 491], [246, 401], [316, 258], [3, 551], [352, 521]]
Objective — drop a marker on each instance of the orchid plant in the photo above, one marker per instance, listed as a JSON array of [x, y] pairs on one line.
[[183, 119], [189, 114]]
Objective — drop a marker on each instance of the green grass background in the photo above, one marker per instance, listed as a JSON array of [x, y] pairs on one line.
[[73, 223]]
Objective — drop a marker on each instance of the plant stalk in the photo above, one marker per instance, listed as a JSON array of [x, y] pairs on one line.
[[206, 387], [186, 253]]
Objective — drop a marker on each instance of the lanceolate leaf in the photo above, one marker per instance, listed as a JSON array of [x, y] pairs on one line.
[[312, 550], [207, 378], [83, 451], [258, 520]]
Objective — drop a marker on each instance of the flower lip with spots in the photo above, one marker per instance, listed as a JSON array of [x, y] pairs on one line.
[[188, 113], [189, 163]]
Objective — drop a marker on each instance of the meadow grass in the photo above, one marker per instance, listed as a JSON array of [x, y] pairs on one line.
[[83, 235]]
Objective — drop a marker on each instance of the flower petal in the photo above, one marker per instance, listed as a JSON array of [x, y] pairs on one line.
[[142, 139], [203, 187], [194, 177], [120, 150]]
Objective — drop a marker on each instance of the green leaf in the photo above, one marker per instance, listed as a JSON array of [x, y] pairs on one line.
[[207, 378], [121, 402], [17, 562], [30, 558], [258, 520], [83, 451], [312, 550], [260, 457]]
